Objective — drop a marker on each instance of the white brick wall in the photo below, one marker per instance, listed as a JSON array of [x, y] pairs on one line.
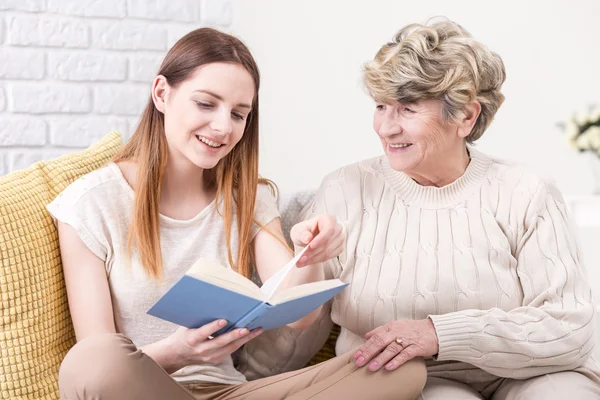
[[73, 70]]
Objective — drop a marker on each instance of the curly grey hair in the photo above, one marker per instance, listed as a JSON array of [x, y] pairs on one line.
[[438, 61]]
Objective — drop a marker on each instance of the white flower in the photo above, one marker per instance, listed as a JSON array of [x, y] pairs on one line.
[[582, 118], [571, 130], [583, 142], [595, 114], [594, 137]]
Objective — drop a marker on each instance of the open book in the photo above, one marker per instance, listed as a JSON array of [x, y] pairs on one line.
[[209, 291]]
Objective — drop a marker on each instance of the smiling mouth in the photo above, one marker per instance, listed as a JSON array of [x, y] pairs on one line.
[[209, 142], [400, 145]]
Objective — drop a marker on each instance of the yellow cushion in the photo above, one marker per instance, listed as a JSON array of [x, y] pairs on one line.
[[35, 327]]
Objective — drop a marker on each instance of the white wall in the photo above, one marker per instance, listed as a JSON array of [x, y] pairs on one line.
[[72, 70], [314, 113]]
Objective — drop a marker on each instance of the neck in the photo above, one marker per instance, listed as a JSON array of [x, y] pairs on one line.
[[442, 171], [183, 182]]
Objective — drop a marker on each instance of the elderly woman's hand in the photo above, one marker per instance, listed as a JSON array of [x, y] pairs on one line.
[[395, 343], [325, 235]]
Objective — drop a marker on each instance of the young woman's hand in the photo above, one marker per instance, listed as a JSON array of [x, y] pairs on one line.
[[325, 235], [193, 346]]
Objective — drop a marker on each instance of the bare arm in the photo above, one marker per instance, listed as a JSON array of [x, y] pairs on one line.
[[91, 311], [87, 286]]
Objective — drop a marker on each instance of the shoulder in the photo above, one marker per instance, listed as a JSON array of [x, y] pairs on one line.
[[93, 183], [344, 189], [521, 176], [522, 185], [352, 174], [266, 192], [266, 207], [93, 205], [98, 187]]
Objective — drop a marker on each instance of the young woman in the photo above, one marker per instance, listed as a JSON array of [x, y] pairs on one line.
[[186, 186]]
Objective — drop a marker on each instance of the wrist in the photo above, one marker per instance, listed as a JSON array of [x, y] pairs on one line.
[[164, 354], [435, 340]]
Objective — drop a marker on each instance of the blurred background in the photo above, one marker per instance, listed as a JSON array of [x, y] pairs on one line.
[[72, 70]]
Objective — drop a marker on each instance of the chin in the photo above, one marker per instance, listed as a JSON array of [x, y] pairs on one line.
[[400, 167], [203, 162], [398, 164]]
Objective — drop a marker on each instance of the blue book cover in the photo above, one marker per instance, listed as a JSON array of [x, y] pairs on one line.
[[210, 291]]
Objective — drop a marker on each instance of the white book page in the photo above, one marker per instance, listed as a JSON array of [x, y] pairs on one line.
[[304, 290], [224, 277], [271, 285]]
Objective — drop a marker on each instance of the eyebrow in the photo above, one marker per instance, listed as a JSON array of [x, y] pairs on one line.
[[216, 96]]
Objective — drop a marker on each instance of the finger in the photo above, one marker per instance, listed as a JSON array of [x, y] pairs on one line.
[[320, 230], [327, 228], [332, 250], [369, 334], [371, 348], [390, 351], [202, 333], [237, 343], [229, 337], [303, 232], [407, 354], [325, 239], [307, 237], [306, 234]]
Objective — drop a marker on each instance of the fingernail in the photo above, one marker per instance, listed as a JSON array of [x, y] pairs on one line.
[[358, 353], [303, 259], [373, 365], [222, 322], [244, 332], [360, 361], [389, 365]]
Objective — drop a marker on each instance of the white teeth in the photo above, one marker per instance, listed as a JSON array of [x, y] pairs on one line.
[[400, 145], [208, 142]]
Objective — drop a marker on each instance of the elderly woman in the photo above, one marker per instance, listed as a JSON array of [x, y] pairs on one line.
[[453, 255]]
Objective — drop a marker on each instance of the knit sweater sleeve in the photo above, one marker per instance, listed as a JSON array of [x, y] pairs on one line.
[[553, 330]]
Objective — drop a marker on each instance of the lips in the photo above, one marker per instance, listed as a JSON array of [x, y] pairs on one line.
[[400, 145], [209, 142]]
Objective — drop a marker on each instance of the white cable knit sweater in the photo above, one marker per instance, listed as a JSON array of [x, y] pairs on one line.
[[492, 259]]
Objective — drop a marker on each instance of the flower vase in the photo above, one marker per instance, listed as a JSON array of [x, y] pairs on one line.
[[595, 165]]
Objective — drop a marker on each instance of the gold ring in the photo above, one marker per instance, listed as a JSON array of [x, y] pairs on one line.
[[399, 341]]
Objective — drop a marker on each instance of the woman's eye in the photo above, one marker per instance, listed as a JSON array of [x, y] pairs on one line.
[[380, 107], [409, 110], [237, 116], [204, 105]]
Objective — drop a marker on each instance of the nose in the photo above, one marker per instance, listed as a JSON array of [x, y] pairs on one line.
[[389, 125], [221, 123]]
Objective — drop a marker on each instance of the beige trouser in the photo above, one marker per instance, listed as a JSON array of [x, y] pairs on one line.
[[569, 385], [109, 366]]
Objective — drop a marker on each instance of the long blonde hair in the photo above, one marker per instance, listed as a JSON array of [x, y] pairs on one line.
[[236, 175]]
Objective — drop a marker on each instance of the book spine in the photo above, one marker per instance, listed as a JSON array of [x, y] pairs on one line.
[[251, 316]]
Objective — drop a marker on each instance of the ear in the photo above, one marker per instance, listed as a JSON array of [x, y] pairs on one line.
[[160, 89], [471, 113]]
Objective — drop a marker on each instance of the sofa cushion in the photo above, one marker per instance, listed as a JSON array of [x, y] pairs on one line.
[[35, 329]]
